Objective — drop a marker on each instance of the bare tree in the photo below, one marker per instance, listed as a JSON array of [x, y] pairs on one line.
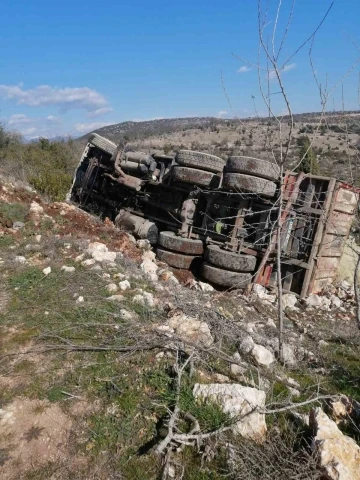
[[270, 65]]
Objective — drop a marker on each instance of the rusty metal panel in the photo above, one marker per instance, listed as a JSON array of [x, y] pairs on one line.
[[289, 184], [339, 223], [292, 194], [326, 267], [316, 222], [332, 245], [265, 274], [345, 198], [320, 284], [311, 275]]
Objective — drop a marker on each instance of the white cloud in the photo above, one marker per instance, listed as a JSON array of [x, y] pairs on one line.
[[29, 132], [18, 119], [222, 114], [272, 74], [65, 98], [244, 69], [31, 127], [287, 68], [49, 126], [89, 127], [99, 112], [52, 119]]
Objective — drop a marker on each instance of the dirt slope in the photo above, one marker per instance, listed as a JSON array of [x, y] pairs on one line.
[[89, 354]]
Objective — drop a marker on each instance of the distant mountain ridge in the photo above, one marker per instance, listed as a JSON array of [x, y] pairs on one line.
[[142, 129], [152, 127], [335, 138]]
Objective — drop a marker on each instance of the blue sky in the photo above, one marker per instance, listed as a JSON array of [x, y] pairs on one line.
[[69, 67]]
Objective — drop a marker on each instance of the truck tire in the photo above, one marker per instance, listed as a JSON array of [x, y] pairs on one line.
[[230, 260], [103, 143], [225, 278], [171, 241], [248, 183], [195, 177], [203, 161], [177, 260], [253, 166]]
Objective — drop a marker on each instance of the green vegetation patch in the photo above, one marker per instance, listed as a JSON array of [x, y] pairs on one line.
[[6, 241], [15, 212], [344, 370], [27, 280], [209, 414], [47, 165]]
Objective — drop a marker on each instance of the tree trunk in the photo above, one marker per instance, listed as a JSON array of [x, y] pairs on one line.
[[278, 263], [357, 291]]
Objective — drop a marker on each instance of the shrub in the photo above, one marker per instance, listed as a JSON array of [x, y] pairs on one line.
[[280, 457], [167, 148], [309, 163], [54, 184], [8, 138], [13, 211], [48, 166]]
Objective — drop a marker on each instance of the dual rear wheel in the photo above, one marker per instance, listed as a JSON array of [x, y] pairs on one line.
[[178, 252], [198, 168], [245, 174], [221, 267], [228, 269], [251, 175]]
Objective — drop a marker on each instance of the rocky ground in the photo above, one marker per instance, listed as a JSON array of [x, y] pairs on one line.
[[114, 366]]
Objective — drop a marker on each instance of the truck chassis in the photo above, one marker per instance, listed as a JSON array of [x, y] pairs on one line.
[[219, 217]]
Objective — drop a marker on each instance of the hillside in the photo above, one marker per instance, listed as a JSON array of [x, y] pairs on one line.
[[153, 127], [107, 372], [335, 140]]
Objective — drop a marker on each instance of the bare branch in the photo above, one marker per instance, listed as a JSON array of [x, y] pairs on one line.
[[286, 30], [311, 36]]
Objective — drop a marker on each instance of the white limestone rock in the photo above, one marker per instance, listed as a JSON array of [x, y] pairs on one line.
[[339, 455], [238, 401]]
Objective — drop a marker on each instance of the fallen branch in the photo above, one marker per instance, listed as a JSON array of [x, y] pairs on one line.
[[175, 415], [294, 406]]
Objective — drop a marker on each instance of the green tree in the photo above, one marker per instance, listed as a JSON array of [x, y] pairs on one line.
[[7, 139], [308, 163], [44, 144], [167, 148]]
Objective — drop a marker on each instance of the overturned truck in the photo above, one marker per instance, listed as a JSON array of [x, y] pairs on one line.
[[219, 217]]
